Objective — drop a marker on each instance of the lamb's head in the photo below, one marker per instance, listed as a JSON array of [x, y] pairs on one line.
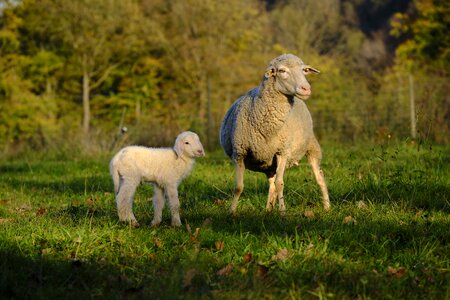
[[188, 144], [289, 75]]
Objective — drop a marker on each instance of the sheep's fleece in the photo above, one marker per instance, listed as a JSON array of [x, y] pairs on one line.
[[165, 167], [270, 129]]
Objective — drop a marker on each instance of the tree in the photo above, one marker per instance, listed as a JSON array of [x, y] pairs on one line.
[[95, 36]]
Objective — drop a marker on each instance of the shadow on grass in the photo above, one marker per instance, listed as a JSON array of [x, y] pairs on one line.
[[40, 277]]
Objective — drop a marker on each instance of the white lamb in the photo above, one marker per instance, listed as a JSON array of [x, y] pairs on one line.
[[165, 167]]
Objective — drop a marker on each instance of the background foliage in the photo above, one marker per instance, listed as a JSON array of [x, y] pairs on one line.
[[159, 67]]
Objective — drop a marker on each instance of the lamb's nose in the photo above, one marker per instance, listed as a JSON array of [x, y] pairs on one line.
[[200, 152]]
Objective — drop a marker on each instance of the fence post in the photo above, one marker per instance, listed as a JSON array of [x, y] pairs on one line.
[[412, 107]]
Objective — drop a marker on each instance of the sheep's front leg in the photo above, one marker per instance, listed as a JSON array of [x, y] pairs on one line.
[[124, 201], [279, 181], [314, 157], [239, 187], [174, 204], [272, 196], [158, 205]]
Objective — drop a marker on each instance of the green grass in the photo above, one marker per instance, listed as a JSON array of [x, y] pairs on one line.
[[386, 237]]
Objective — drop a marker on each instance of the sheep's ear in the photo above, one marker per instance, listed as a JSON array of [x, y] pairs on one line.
[[309, 70], [270, 72]]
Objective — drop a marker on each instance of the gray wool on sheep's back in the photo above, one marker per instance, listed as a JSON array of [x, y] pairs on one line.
[[263, 123]]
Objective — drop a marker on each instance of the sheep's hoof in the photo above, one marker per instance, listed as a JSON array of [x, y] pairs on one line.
[[327, 207], [176, 223], [154, 224]]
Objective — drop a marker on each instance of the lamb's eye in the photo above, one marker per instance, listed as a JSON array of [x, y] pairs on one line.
[[306, 70], [281, 71], [187, 143]]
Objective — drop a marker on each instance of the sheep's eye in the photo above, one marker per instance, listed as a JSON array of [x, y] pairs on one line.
[[282, 71], [187, 143], [306, 70]]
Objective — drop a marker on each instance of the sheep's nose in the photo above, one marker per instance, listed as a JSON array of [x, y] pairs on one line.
[[304, 90], [200, 152]]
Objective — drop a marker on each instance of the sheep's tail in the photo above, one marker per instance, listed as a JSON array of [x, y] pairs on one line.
[[115, 175]]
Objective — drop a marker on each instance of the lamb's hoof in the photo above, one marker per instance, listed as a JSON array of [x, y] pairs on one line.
[[131, 223], [326, 207]]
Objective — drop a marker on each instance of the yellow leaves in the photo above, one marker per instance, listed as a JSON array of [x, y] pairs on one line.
[[399, 24]]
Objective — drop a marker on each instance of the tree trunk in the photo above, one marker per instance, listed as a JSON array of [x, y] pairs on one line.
[[86, 105]]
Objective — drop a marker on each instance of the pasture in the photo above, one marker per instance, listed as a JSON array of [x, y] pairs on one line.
[[386, 237]]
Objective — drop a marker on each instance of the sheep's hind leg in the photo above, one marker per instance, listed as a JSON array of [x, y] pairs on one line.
[[272, 196], [239, 187], [158, 205], [174, 203], [279, 181], [124, 201], [314, 157]]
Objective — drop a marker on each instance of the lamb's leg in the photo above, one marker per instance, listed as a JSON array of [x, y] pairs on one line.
[[174, 204], [239, 187], [124, 201], [314, 157], [158, 205], [272, 196], [279, 181]]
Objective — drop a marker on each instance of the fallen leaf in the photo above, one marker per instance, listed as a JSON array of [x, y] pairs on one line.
[[396, 272], [361, 204], [158, 243], [219, 202], [41, 211], [188, 276], [219, 245], [261, 271], [281, 255], [310, 247], [4, 221], [225, 270], [207, 222], [309, 214], [248, 257], [349, 220]]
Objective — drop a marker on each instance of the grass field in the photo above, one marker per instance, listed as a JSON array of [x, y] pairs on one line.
[[386, 237]]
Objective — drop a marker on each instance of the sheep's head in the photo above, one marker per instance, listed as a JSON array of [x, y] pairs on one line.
[[289, 73], [188, 144]]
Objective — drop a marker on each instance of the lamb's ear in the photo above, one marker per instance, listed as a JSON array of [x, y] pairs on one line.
[[270, 72], [309, 70], [178, 148]]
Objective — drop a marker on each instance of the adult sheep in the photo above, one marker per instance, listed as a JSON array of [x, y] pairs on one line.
[[165, 167], [270, 129]]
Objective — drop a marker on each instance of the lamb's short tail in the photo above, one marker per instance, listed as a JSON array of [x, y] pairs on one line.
[[115, 175]]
